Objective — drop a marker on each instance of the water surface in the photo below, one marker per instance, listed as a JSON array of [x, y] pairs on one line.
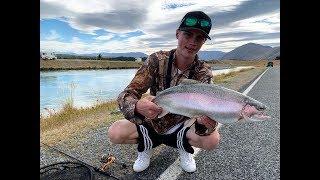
[[86, 87]]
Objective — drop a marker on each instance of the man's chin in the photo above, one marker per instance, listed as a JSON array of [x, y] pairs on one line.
[[190, 52]]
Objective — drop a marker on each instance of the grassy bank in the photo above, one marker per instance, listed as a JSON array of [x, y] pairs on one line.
[[70, 121], [74, 64], [222, 78], [70, 114], [236, 63]]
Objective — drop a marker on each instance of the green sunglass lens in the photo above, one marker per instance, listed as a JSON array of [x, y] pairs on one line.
[[204, 23], [191, 21]]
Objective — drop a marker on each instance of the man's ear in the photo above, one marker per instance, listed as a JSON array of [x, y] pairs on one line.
[[177, 33]]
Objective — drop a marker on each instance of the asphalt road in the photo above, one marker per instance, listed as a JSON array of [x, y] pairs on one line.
[[246, 150]]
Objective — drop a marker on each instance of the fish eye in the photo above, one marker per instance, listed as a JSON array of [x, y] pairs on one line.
[[261, 108]]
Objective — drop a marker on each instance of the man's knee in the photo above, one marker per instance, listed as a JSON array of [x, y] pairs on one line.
[[118, 132], [114, 134], [211, 142]]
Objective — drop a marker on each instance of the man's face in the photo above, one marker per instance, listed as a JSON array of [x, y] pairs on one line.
[[190, 41]]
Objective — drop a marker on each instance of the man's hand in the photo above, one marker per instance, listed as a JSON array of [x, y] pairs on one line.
[[205, 126], [147, 108]]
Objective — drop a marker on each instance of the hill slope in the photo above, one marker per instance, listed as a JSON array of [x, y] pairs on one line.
[[250, 51]]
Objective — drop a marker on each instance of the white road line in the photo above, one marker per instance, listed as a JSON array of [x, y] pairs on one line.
[[174, 170], [254, 83]]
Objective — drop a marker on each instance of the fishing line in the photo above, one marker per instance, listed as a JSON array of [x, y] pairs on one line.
[[85, 164]]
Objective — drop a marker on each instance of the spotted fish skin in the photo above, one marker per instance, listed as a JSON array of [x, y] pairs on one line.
[[224, 105]]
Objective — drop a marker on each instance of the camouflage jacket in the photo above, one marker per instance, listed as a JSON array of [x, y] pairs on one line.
[[152, 75]]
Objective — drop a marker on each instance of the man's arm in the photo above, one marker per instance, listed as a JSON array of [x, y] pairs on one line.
[[141, 82]]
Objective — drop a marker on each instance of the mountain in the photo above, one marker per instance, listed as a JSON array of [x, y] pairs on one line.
[[129, 54], [271, 54], [203, 55], [250, 51], [210, 55]]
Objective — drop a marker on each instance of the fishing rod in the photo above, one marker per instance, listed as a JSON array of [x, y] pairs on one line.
[[99, 170]]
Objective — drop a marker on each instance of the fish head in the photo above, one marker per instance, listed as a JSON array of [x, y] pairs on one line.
[[254, 110]]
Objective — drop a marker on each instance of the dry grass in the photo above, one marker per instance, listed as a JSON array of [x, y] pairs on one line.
[[235, 63], [68, 64], [72, 122], [70, 115], [222, 78]]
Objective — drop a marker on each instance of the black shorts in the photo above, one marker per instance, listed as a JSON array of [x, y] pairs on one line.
[[148, 138]]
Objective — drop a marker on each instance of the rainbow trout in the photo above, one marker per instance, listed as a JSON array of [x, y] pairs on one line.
[[191, 99]]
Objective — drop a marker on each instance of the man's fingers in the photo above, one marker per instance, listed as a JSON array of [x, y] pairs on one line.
[[150, 98], [205, 125], [154, 112], [206, 121]]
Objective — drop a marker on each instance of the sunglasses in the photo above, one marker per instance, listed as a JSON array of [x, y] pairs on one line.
[[189, 34], [192, 21]]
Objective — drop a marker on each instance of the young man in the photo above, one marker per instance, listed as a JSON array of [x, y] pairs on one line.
[[162, 70]]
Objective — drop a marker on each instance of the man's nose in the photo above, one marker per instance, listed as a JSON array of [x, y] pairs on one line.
[[193, 41]]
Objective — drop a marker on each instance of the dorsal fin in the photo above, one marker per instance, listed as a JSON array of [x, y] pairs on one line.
[[188, 82]]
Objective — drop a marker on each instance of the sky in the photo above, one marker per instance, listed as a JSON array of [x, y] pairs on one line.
[[147, 26]]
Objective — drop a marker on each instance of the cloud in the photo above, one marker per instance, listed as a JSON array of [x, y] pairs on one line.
[[53, 35], [75, 40], [114, 21], [52, 10], [125, 16], [235, 22], [88, 16], [245, 10], [104, 38]]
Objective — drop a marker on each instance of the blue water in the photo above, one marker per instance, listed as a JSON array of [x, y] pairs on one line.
[[86, 87], [219, 67]]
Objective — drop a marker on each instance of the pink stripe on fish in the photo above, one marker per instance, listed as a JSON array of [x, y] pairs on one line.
[[203, 101]]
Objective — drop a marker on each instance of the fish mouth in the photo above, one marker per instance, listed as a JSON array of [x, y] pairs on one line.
[[260, 117], [254, 113], [256, 117]]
